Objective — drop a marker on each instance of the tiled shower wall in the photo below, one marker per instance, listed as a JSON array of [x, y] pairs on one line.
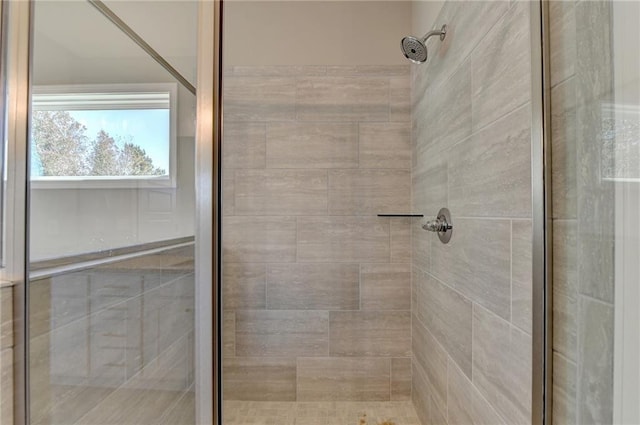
[[316, 287], [6, 353], [472, 153], [583, 213]]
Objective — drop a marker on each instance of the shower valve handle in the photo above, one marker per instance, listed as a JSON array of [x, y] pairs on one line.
[[442, 225], [437, 225]]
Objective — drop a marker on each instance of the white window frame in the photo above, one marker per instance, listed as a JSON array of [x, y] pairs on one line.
[[111, 182]]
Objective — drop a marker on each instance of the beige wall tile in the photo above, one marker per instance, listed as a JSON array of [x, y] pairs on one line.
[[429, 181], [521, 274], [421, 393], [565, 380], [244, 145], [275, 71], [490, 172], [6, 317], [342, 99], [73, 403], [385, 286], [459, 150], [447, 315], [562, 40], [565, 289], [502, 365], [565, 269], [370, 333], [400, 229], [369, 192], [565, 325], [229, 334], [313, 286], [476, 262], [501, 67], [595, 195], [259, 99], [6, 386], [140, 406], [183, 412], [282, 333], [438, 127], [438, 417], [385, 145], [400, 379], [228, 192], [259, 239], [595, 351], [432, 358], [312, 145], [594, 64], [343, 239], [596, 245], [41, 390], [280, 192], [563, 146], [471, 21], [420, 246], [243, 286], [40, 307], [400, 99], [344, 379], [259, 379], [62, 299], [369, 70], [466, 405]]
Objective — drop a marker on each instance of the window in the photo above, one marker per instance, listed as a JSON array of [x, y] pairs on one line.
[[103, 136]]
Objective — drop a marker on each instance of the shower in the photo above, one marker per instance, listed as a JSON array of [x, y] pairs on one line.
[[415, 49]]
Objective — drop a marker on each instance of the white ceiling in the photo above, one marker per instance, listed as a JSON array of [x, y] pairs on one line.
[[168, 26], [74, 31]]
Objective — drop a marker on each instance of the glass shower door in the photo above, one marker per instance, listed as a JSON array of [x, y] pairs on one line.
[[595, 96], [111, 221]]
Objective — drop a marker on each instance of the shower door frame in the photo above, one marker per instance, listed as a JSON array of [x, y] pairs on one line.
[[208, 213], [15, 77], [541, 365], [542, 243]]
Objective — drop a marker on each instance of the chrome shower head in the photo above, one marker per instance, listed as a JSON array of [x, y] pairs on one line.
[[415, 49]]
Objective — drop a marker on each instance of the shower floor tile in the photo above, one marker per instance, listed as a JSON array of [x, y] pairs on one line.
[[319, 413]]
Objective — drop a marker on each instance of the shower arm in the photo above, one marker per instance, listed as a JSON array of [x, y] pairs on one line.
[[441, 32]]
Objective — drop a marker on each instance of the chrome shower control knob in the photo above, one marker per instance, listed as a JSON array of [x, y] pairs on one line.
[[442, 225], [437, 225]]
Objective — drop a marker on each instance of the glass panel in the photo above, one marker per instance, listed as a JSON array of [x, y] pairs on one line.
[[111, 290], [595, 96]]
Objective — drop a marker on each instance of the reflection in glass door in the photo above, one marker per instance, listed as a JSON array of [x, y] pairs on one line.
[[595, 101], [112, 207]]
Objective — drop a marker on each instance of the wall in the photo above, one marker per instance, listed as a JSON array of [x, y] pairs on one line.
[[91, 50], [423, 16], [6, 352], [315, 32], [316, 287], [471, 123], [583, 211]]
